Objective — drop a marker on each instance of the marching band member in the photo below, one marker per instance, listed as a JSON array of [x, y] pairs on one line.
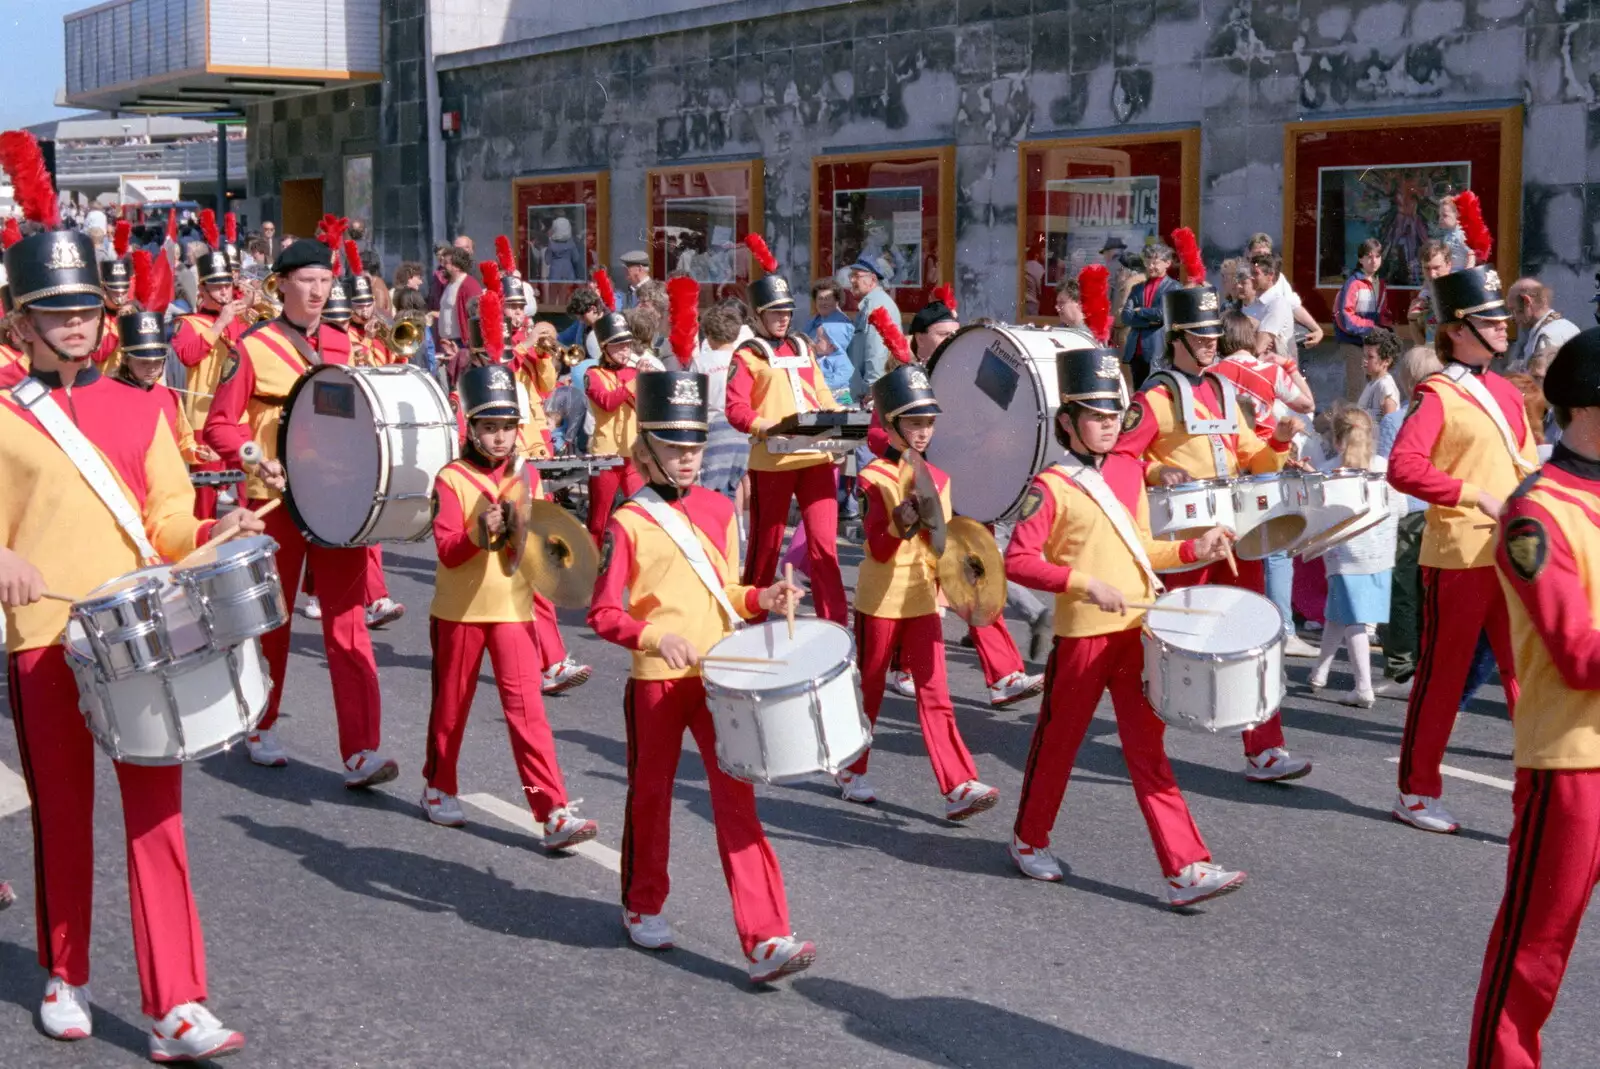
[[773, 376], [143, 361], [202, 340], [366, 348], [897, 596], [88, 497], [1084, 535], [1548, 545], [13, 362], [269, 359], [1464, 446], [609, 386], [478, 607], [1185, 425], [667, 591]]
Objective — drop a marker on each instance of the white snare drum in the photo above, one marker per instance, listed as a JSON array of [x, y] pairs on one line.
[[997, 385], [1214, 673], [361, 447], [236, 590], [1379, 502], [784, 722], [1269, 513], [1189, 510], [1335, 501], [137, 623]]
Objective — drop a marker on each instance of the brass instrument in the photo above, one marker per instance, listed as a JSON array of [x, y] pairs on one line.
[[403, 337], [267, 305], [569, 356]]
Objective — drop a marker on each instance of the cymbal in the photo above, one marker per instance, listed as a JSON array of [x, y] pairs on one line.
[[516, 499], [560, 557], [930, 510], [972, 573]]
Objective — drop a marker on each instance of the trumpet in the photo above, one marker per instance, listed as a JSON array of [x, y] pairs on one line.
[[403, 337], [570, 356], [267, 305]]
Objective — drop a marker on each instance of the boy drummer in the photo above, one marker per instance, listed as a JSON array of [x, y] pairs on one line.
[[1085, 536], [897, 595], [668, 591], [477, 606], [609, 386]]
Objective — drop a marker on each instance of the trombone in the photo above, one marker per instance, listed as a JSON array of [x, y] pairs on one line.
[[403, 337], [569, 356]]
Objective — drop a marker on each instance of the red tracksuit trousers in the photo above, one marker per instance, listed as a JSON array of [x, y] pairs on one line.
[[1079, 671], [1551, 870], [374, 585], [997, 652], [603, 487], [458, 650], [920, 640], [1457, 605], [341, 576], [546, 631], [658, 711], [770, 493], [58, 756], [1253, 577]]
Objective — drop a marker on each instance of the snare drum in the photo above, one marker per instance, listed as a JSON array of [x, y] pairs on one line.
[[1335, 501], [235, 590], [137, 623], [782, 722], [361, 447], [1189, 510], [1379, 502], [1214, 673], [998, 388], [1269, 513]]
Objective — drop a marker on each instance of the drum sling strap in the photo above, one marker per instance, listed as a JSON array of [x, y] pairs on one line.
[[791, 365], [1474, 388], [34, 396], [1197, 424], [1091, 482], [301, 345], [679, 530]]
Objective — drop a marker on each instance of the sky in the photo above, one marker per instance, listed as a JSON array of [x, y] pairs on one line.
[[35, 60]]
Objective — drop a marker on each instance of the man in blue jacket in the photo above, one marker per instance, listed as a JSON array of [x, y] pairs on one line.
[[1144, 317]]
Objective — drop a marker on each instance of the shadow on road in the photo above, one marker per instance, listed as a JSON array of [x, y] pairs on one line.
[[22, 984]]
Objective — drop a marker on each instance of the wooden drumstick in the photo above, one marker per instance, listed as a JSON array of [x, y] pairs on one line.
[[788, 577], [53, 596], [1186, 610], [1233, 565], [232, 532], [728, 658]]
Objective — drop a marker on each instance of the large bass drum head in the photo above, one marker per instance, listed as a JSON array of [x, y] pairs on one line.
[[329, 448]]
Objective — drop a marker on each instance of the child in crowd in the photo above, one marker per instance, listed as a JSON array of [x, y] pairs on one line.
[[1453, 236], [832, 342], [1380, 349], [1359, 570]]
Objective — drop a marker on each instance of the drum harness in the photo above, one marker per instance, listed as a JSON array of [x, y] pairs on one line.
[[1091, 482], [790, 365], [1473, 387], [34, 396], [678, 529], [1196, 424]]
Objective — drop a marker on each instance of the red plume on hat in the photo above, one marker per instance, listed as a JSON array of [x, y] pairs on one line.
[[144, 279], [883, 322], [172, 226], [502, 254], [10, 233], [763, 255], [946, 295], [683, 313], [30, 178], [1188, 249], [492, 319], [1479, 240], [491, 275], [1094, 292], [230, 227], [352, 259], [208, 228], [164, 286], [121, 237], [608, 294]]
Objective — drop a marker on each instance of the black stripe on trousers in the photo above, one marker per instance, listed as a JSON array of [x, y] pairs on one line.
[[1519, 890], [1046, 713], [1427, 646], [627, 808], [14, 699]]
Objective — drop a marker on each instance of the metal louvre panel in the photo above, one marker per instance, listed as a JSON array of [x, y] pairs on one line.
[[362, 38], [139, 59], [298, 34], [241, 33]]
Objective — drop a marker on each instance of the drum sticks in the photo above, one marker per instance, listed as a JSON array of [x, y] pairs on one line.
[[224, 536], [788, 577], [1183, 609]]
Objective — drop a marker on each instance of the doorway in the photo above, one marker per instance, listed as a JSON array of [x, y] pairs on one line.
[[302, 207]]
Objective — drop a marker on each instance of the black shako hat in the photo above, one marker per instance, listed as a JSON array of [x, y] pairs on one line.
[[54, 270], [1092, 378], [337, 310], [1573, 378], [358, 288], [672, 406], [905, 391], [612, 327], [770, 293], [214, 267], [1194, 309], [488, 391], [141, 335], [116, 276], [1473, 291]]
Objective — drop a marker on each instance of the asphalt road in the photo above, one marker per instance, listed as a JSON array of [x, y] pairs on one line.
[[344, 930]]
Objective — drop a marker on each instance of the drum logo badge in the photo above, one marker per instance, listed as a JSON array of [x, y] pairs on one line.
[[685, 392], [64, 256], [1261, 501], [1190, 512]]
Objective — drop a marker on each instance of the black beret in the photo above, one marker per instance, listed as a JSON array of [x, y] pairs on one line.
[[1573, 378], [303, 253], [931, 314]]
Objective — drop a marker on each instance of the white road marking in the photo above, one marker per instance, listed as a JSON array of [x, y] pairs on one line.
[[519, 816], [13, 792], [1470, 777]]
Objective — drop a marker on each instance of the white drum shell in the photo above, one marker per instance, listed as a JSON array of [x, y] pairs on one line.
[[775, 728], [1379, 502], [236, 591], [1335, 501], [1189, 510], [1235, 684], [1269, 513]]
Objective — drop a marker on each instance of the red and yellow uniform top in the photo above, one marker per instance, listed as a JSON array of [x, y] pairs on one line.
[[13, 366], [109, 356], [647, 588], [366, 350], [611, 399], [1154, 431], [256, 381], [182, 431], [1549, 559], [51, 517], [1064, 539], [540, 368], [1447, 450], [759, 390], [470, 585], [194, 340], [899, 576], [530, 370]]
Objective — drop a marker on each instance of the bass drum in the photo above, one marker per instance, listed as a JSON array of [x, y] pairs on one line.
[[997, 387], [361, 447]]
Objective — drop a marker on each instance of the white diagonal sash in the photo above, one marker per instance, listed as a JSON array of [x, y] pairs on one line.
[[1463, 377], [679, 530], [1091, 482], [1196, 424]]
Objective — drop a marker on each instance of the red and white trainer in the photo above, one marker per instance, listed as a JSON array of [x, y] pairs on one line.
[[564, 675], [1274, 765], [265, 750], [64, 1013], [368, 769], [442, 809], [383, 612], [1034, 862], [902, 684], [853, 787], [7, 895], [1199, 881], [648, 930], [192, 1033], [782, 955], [1016, 687], [564, 828], [1420, 811], [970, 799]]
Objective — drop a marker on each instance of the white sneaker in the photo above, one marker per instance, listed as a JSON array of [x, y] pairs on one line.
[[1035, 862], [383, 612], [1200, 881], [564, 675], [1420, 811], [1274, 764], [1295, 646], [64, 1013], [1014, 688], [1395, 689], [854, 787], [970, 799], [442, 809], [1361, 699], [648, 930], [1318, 682], [192, 1033], [903, 684], [782, 955], [264, 749], [312, 609], [564, 828], [368, 769]]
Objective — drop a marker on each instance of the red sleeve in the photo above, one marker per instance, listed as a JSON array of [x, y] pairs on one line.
[[109, 342], [878, 436], [450, 528], [470, 288], [1554, 598], [225, 430], [1411, 469], [189, 344], [740, 412], [608, 400], [1136, 443], [1025, 560], [882, 542], [608, 616]]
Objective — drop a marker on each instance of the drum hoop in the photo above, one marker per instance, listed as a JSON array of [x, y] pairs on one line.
[[1250, 654], [200, 573], [791, 690], [283, 454]]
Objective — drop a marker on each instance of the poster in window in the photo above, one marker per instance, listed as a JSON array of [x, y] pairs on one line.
[[894, 209], [698, 217], [881, 226], [1398, 204], [557, 237], [560, 224]]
